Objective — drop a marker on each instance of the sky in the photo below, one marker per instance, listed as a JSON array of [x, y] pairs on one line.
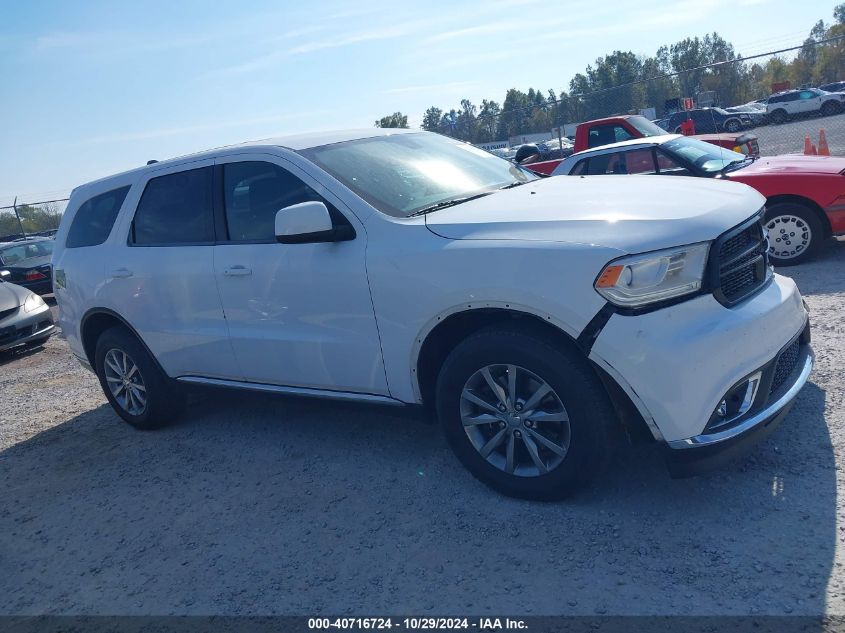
[[89, 89]]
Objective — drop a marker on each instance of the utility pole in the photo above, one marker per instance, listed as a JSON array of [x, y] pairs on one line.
[[15, 207]]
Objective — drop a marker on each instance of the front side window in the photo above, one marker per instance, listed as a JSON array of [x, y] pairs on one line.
[[253, 192], [646, 127], [94, 219], [402, 174], [808, 94], [175, 209]]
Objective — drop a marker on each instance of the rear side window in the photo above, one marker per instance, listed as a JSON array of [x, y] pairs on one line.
[[175, 209], [94, 220]]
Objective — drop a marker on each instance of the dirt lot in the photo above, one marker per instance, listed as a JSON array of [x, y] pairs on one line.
[[789, 137], [264, 505]]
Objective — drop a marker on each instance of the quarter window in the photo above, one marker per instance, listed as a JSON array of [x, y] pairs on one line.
[[94, 220], [175, 209], [253, 192]]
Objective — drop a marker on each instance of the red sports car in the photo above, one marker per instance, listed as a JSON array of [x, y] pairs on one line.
[[805, 194]]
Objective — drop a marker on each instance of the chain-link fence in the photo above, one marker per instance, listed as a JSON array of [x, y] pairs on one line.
[[750, 95], [33, 218]]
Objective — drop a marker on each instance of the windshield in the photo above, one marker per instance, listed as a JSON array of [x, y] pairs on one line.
[[705, 156], [21, 252], [400, 174], [646, 127]]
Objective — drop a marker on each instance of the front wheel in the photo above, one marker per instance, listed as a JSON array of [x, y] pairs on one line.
[[134, 385], [526, 417], [733, 125], [830, 107], [795, 233], [778, 116]]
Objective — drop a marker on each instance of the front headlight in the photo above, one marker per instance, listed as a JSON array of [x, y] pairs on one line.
[[33, 302], [638, 280]]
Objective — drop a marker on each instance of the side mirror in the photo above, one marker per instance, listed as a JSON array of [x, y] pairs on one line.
[[4, 275], [309, 222]]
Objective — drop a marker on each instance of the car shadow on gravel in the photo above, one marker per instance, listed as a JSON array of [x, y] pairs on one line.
[[256, 504]]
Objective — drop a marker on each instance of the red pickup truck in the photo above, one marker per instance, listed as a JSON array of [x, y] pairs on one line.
[[630, 126]]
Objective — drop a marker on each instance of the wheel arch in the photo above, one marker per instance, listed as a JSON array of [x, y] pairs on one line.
[[807, 202], [96, 321], [442, 334]]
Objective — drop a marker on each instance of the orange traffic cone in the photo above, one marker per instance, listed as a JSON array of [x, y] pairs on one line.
[[809, 148], [824, 150]]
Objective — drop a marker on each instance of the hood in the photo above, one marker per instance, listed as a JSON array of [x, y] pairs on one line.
[[632, 214], [11, 296], [793, 164]]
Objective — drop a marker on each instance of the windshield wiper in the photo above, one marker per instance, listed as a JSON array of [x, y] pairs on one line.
[[446, 203], [515, 183], [737, 163]]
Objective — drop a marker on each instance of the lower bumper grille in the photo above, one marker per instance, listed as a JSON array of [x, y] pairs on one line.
[[786, 364]]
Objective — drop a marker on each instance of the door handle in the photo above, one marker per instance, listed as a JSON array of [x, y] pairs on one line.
[[237, 271], [121, 273]]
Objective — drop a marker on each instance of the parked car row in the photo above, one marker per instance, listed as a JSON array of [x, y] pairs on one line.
[[27, 260], [539, 319], [805, 195]]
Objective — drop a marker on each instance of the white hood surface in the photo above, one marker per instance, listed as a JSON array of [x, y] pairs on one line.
[[633, 214]]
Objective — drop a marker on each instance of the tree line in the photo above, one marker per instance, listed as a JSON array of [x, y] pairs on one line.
[[33, 219], [624, 82]]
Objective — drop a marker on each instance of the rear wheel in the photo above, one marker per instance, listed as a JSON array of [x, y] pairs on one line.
[[778, 116], [524, 416], [732, 125], [830, 107], [133, 383], [795, 233]]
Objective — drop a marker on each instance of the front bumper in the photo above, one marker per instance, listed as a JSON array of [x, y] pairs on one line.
[[23, 328], [676, 364], [704, 452]]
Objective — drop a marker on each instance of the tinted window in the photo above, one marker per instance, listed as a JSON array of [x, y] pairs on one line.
[[580, 169], [175, 209], [606, 134], [254, 192], [94, 220]]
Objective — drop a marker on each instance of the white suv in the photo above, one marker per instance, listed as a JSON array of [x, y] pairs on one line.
[[786, 105], [537, 317]]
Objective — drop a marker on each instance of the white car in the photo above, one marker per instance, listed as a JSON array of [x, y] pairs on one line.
[[539, 318], [786, 105]]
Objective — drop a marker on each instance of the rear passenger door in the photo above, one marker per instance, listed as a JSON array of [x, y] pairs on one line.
[[299, 315], [159, 274]]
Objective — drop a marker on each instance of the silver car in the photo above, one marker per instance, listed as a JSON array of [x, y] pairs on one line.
[[24, 317]]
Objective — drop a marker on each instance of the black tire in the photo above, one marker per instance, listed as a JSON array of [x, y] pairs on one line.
[[778, 116], [165, 400], [592, 426], [830, 107], [732, 126], [815, 233]]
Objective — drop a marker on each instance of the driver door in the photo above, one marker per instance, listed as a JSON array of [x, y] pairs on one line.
[[298, 314]]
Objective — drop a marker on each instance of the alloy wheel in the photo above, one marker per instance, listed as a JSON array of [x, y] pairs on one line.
[[515, 420], [789, 236], [125, 382]]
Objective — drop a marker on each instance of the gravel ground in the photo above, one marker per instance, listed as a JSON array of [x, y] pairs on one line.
[[264, 505], [789, 137]]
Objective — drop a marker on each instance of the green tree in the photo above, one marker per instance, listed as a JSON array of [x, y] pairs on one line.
[[432, 119], [397, 119]]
